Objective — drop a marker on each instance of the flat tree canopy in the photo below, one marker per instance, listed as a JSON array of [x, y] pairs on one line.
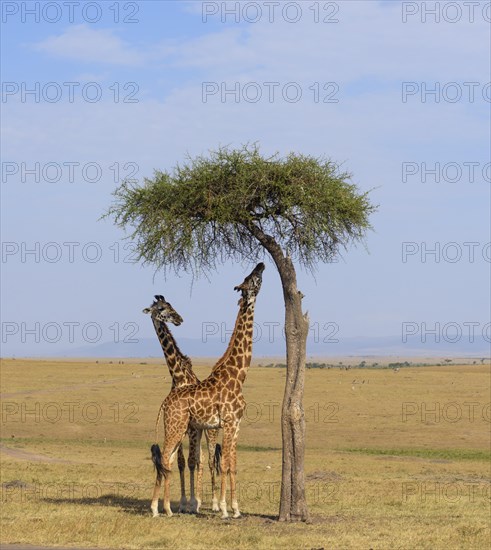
[[238, 204], [211, 208]]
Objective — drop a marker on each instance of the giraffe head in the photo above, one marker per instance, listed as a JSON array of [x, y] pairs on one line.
[[252, 284], [163, 311]]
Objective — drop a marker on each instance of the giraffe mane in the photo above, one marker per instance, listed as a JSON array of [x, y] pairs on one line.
[[231, 342]]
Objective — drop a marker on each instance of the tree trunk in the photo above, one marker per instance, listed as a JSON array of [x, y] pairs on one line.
[[293, 505]]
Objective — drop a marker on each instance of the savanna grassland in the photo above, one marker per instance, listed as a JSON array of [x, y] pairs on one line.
[[394, 460]]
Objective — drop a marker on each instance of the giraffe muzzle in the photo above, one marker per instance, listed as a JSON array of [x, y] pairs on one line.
[[253, 281]]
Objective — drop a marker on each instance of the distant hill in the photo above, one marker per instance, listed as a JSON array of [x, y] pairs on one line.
[[214, 347]]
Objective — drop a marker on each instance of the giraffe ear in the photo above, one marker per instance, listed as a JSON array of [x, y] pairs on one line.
[[146, 310]]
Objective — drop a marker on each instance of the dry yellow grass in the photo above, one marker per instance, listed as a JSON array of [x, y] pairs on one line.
[[394, 460]]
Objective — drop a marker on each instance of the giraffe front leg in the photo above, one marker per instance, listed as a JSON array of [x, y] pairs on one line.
[[181, 464]]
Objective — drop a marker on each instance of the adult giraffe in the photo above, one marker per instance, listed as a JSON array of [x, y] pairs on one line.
[[182, 374], [216, 402]]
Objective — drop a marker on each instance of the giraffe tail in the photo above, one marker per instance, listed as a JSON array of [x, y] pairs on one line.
[[156, 452], [162, 472], [217, 459]]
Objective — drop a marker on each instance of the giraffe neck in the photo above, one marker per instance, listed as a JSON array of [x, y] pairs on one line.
[[179, 365], [237, 358]]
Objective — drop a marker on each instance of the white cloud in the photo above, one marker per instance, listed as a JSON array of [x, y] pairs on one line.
[[82, 43], [368, 41]]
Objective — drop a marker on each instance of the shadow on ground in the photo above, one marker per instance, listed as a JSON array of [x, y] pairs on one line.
[[135, 506], [141, 507]]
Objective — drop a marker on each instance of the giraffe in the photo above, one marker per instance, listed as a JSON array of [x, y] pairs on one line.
[[182, 374], [216, 402]]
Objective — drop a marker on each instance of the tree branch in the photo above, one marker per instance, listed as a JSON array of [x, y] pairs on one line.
[[269, 244]]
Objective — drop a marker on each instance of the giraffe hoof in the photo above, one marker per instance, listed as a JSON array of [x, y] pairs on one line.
[[214, 507], [223, 508], [194, 506], [235, 509], [168, 512]]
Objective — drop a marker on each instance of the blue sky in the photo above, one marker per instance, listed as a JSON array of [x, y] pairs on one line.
[[163, 63]]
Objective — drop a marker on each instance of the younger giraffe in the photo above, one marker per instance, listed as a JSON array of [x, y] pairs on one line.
[[216, 402], [182, 374]]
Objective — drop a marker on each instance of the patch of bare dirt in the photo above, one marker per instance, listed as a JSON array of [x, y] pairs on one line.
[[32, 457]]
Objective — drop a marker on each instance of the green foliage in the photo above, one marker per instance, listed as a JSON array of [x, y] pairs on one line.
[[317, 365], [211, 209]]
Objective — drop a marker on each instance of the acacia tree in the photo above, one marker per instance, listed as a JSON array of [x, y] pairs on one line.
[[238, 204]]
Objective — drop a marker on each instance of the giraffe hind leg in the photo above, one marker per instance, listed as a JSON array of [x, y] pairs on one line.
[[161, 472], [172, 442], [168, 459], [232, 474], [228, 433], [194, 461], [229, 461], [155, 497]]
